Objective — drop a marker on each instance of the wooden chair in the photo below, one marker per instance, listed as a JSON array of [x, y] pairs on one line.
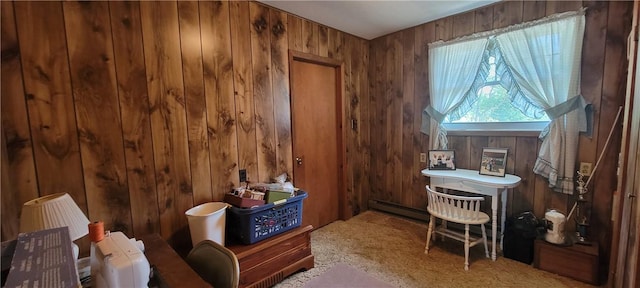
[[458, 209], [215, 263]]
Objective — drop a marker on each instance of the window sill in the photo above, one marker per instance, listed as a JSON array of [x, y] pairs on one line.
[[499, 129], [494, 133]]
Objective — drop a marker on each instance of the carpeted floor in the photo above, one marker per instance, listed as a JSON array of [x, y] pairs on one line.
[[391, 249]]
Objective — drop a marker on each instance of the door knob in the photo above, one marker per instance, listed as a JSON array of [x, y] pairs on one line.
[[299, 161]]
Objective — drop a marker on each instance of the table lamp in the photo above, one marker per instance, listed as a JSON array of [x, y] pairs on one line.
[[53, 211]]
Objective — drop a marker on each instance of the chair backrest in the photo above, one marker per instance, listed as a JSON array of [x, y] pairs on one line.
[[454, 208], [215, 263]]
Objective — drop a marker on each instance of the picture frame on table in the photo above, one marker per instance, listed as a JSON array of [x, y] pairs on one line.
[[494, 161], [441, 160]]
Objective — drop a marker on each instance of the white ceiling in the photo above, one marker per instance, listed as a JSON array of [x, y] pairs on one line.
[[374, 18]]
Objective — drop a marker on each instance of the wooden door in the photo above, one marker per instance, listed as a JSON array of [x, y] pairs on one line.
[[316, 105]]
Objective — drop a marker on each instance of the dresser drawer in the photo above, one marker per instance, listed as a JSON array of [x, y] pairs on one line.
[[268, 262]]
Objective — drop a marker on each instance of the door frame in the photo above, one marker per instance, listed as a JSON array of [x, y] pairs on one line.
[[624, 257], [340, 112]]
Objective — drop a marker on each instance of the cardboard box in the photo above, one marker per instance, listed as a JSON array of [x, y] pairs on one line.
[[242, 202], [53, 258]]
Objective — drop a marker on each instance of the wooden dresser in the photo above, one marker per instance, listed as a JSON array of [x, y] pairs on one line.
[[268, 262]]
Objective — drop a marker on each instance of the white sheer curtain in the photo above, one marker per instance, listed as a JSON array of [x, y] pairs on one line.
[[539, 65], [453, 70], [544, 61]]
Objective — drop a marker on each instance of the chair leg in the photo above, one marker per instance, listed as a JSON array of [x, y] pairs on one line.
[[466, 246], [484, 239], [444, 226], [429, 233]]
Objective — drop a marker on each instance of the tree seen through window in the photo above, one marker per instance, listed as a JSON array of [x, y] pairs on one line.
[[493, 103]]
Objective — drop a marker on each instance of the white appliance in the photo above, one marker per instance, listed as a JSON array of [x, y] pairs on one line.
[[555, 231], [118, 261]]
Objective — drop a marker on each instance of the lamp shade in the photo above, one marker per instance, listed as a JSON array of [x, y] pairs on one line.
[[53, 211]]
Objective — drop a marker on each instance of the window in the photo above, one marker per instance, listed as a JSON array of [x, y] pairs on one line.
[[543, 72], [493, 111]]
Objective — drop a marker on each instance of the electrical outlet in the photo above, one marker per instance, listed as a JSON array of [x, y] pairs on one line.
[[243, 175], [585, 168], [423, 157]]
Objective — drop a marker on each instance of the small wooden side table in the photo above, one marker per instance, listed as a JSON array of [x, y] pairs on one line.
[[577, 261], [268, 262]]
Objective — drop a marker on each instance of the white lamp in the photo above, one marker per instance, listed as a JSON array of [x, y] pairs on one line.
[[53, 211]]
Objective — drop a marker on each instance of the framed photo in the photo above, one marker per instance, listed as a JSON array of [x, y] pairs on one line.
[[442, 160], [493, 162]]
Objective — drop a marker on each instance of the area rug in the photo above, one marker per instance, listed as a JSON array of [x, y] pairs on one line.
[[343, 275]]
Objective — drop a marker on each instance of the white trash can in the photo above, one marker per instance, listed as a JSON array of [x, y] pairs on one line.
[[207, 222]]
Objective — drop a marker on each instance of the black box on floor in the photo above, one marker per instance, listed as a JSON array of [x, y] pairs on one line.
[[520, 233], [518, 248]]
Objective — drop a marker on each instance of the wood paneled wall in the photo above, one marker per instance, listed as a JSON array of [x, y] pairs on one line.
[[398, 73], [141, 110]]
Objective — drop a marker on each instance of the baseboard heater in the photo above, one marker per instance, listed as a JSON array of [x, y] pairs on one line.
[[400, 210], [422, 215]]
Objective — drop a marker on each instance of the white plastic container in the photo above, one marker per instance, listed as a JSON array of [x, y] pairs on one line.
[[120, 262], [207, 222], [555, 234]]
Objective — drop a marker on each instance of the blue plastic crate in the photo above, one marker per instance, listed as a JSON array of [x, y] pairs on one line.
[[250, 225]]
